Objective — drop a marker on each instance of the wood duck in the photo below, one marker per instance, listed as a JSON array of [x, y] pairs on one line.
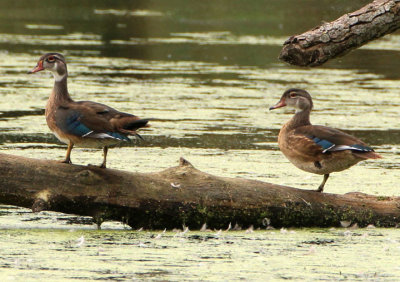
[[315, 148], [85, 123]]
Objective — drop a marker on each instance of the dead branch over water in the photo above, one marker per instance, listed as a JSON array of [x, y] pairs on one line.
[[336, 38]]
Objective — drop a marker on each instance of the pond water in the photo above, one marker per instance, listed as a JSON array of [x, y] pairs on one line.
[[208, 72], [66, 255]]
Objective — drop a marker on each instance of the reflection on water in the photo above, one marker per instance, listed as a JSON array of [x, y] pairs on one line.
[[208, 72]]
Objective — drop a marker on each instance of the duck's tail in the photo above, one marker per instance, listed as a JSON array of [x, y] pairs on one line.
[[367, 155], [130, 127], [136, 124]]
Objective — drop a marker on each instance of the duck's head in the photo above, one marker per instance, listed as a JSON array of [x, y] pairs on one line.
[[296, 98], [53, 62]]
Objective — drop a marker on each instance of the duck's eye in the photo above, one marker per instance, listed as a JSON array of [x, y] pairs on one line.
[[51, 59], [293, 95]]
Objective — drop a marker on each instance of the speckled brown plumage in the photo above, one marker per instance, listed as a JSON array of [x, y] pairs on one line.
[[314, 148], [84, 123]]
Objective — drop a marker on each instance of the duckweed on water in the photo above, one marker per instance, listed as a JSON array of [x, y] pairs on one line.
[[208, 73], [308, 254]]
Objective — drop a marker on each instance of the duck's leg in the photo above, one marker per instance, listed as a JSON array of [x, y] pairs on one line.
[[105, 150], [68, 156], [321, 187]]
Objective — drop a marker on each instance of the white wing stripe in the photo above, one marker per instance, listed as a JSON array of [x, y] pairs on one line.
[[345, 147], [100, 136]]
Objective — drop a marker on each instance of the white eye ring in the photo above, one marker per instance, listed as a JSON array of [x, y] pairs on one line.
[[293, 95]]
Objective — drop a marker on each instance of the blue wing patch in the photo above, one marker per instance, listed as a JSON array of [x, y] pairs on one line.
[[74, 126], [329, 146], [71, 124], [325, 144]]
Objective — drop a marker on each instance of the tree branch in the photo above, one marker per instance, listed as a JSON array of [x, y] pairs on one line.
[[350, 31], [180, 195]]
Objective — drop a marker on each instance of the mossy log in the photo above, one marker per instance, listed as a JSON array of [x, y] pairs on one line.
[[181, 195], [350, 31]]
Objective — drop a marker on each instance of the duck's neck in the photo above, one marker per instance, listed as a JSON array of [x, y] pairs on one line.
[[301, 118], [60, 93]]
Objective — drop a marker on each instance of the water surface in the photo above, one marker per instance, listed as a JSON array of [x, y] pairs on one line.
[[64, 254], [208, 71]]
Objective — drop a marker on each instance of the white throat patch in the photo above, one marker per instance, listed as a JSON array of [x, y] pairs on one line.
[[57, 77]]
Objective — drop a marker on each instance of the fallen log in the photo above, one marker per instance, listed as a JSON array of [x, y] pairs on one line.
[[181, 195], [336, 38]]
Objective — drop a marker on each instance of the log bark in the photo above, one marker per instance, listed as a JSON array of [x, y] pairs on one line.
[[181, 195], [350, 31]]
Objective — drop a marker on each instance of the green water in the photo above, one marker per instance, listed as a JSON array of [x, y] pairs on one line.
[[58, 255], [208, 71]]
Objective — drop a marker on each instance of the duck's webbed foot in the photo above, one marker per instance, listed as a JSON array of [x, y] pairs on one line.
[[103, 164], [68, 156], [321, 187], [66, 161]]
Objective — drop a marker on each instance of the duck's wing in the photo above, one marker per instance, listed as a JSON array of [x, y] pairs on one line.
[[95, 120], [330, 139]]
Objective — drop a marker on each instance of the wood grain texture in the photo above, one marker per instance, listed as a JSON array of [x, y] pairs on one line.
[[336, 38], [181, 195]]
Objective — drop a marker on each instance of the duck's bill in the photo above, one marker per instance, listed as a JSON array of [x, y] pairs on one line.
[[39, 67], [280, 104]]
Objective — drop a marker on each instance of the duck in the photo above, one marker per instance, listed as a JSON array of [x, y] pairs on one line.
[[83, 124], [315, 148]]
